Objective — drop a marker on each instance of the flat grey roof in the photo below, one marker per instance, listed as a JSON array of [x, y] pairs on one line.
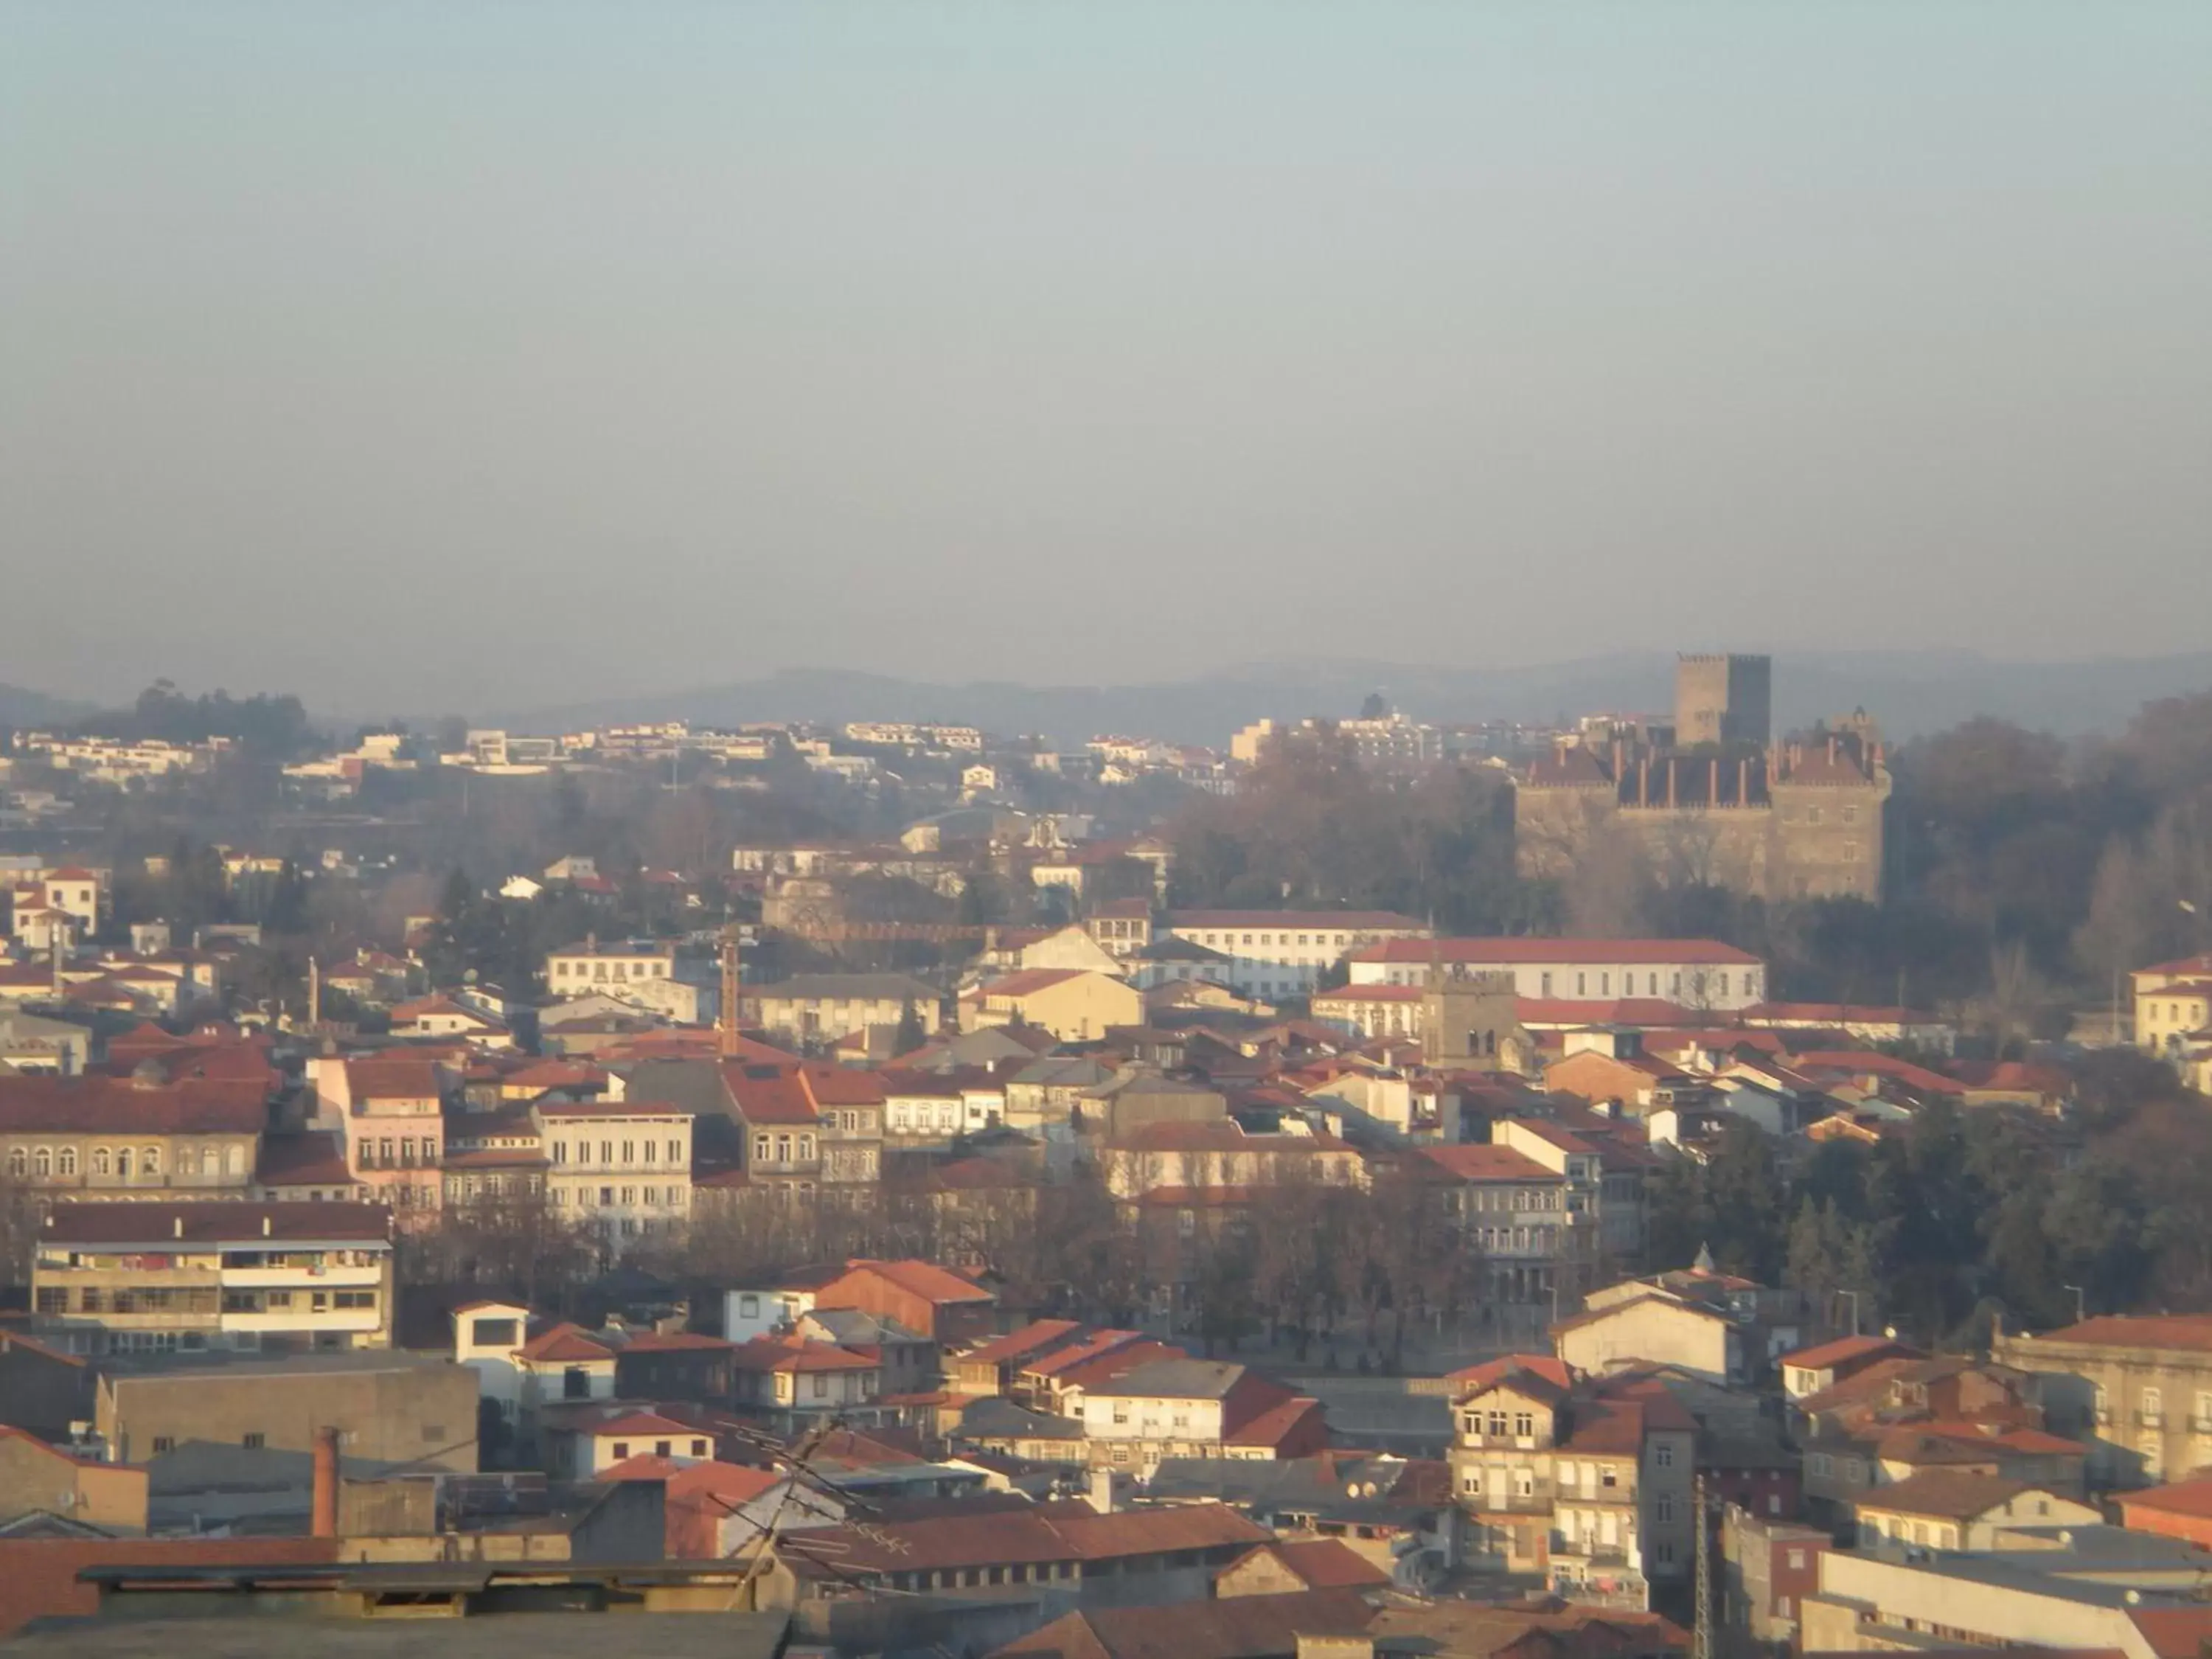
[[127, 1368]]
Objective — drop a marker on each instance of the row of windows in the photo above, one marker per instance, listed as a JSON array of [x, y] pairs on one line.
[[643, 968], [632, 1152], [45, 1162], [778, 1149], [2150, 1408], [1326, 940], [380, 1154], [2177, 1011], [661, 1449], [620, 1197], [948, 1117]]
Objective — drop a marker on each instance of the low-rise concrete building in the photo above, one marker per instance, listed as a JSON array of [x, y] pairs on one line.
[[124, 1277], [391, 1407]]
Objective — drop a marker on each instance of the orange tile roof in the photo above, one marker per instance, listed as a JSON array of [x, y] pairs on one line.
[[566, 1342]]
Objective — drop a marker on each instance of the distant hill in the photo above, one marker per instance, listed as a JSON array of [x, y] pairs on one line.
[[19, 706], [1909, 692]]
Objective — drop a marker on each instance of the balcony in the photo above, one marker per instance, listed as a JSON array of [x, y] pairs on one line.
[[301, 1278], [2150, 1420]]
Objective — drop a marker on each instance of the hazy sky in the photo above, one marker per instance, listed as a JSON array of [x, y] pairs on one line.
[[424, 356]]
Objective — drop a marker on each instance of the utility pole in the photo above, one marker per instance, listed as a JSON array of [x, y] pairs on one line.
[[1701, 1640]]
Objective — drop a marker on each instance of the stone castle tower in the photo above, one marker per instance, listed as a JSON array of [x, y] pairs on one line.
[[1725, 699], [1723, 805]]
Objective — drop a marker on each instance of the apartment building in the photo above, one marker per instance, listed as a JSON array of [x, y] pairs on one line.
[[1535, 1229], [1197, 1408], [154, 1277], [1284, 952], [391, 1109], [1074, 1006], [621, 1168], [1589, 1484], [142, 1136], [2137, 1387], [2083, 1590], [823, 1007], [578, 970], [2172, 1004], [391, 1406], [1704, 974]]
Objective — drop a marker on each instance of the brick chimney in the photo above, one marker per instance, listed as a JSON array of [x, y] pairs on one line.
[[326, 1504]]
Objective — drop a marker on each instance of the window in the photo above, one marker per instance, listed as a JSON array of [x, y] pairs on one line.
[[2154, 1405], [1524, 1424], [663, 1448], [68, 1160], [749, 1307], [1663, 1510], [1796, 1560], [698, 1449], [629, 1152], [622, 1450], [821, 1385], [1471, 1482], [675, 1151], [576, 1383], [123, 1163], [19, 1162], [1582, 984], [560, 1152], [164, 1442], [1665, 1554], [1545, 988], [42, 1162], [1662, 1456], [1497, 1422], [251, 1442]]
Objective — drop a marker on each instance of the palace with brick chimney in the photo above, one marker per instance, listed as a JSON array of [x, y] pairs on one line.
[[1794, 819]]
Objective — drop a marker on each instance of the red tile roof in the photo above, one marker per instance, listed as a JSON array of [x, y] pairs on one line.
[[767, 1094], [565, 1342], [1027, 982], [1827, 1355], [643, 1423], [1291, 1422], [1487, 1162], [2188, 1497], [1552, 1376], [36, 1104], [2186, 1333], [925, 1279], [1327, 1564]]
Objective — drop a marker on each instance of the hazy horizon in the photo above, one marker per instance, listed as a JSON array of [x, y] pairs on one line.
[[486, 356]]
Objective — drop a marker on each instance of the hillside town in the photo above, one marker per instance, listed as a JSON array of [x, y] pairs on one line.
[[896, 1189]]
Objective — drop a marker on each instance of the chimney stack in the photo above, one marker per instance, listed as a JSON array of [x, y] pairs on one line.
[[325, 1510]]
